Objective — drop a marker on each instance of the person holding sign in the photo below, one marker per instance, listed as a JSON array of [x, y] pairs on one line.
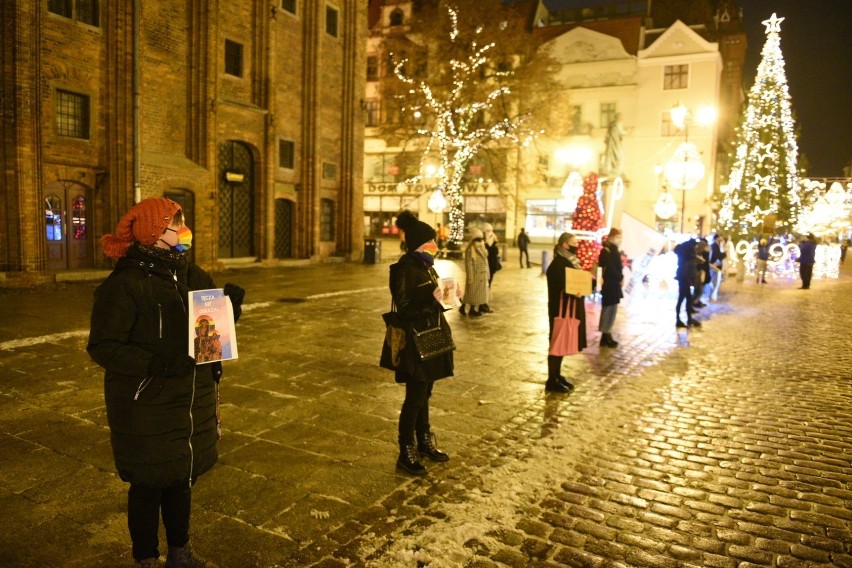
[[161, 406], [568, 297]]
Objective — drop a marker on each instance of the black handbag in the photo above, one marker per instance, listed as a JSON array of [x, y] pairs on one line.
[[434, 341]]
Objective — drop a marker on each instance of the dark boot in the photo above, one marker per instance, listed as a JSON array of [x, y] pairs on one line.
[[680, 323], [409, 460], [461, 309], [183, 557], [565, 383], [485, 309], [608, 341], [426, 447]]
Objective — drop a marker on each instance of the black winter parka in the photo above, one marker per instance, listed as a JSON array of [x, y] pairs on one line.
[[163, 429]]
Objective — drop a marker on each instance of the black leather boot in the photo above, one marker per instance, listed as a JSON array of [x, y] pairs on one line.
[[426, 447], [409, 459]]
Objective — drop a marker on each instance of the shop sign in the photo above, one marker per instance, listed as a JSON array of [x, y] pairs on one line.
[[421, 188]]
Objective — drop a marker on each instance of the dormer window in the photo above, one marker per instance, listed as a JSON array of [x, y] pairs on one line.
[[397, 17]]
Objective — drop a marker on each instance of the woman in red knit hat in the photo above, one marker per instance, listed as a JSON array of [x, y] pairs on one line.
[[161, 406]]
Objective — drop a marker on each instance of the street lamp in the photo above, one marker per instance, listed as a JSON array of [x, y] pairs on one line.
[[684, 170]]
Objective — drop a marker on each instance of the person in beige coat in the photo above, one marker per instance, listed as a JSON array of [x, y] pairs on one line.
[[476, 268]]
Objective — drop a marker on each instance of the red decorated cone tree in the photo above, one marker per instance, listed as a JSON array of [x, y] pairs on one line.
[[587, 217]]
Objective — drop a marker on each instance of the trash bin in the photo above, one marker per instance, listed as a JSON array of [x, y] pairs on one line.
[[370, 247]]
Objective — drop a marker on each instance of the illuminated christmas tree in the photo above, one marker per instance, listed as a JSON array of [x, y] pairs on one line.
[[587, 217], [763, 190]]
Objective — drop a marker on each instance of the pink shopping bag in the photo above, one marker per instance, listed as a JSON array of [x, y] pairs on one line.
[[566, 332]]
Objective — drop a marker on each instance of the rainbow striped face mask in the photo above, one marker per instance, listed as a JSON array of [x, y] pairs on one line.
[[184, 236]]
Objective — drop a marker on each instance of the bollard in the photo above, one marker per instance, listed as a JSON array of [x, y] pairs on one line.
[[545, 260]]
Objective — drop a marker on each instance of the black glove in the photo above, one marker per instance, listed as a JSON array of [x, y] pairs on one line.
[[236, 294], [171, 365]]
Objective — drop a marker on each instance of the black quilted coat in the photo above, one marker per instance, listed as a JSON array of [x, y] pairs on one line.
[[163, 429], [411, 285]]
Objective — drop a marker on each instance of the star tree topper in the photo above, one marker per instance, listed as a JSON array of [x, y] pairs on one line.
[[773, 24]]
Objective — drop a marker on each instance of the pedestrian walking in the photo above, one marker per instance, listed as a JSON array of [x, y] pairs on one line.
[[844, 244], [414, 287], [807, 257], [613, 279], [523, 247], [686, 273], [161, 407], [493, 248], [564, 256], [477, 275], [762, 260], [717, 265]]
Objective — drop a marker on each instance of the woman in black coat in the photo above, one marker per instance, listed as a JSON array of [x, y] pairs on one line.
[[414, 286], [161, 406], [611, 293], [564, 256]]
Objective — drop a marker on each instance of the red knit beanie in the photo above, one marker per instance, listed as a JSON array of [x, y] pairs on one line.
[[144, 223]]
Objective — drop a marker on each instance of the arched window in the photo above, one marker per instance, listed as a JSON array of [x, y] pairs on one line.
[[397, 17]]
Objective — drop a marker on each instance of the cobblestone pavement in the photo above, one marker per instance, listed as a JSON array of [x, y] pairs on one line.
[[725, 446]]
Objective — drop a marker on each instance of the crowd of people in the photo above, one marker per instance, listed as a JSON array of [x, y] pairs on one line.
[[162, 403]]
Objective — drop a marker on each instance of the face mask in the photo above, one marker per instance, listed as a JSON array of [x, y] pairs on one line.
[[572, 249], [431, 249], [184, 236]]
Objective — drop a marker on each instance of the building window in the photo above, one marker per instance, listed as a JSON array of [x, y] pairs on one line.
[[676, 77], [60, 7], [331, 21], [372, 109], [289, 5], [329, 170], [372, 68], [667, 128], [53, 217], [85, 11], [607, 114], [397, 17], [233, 58], [326, 220], [286, 154], [72, 115]]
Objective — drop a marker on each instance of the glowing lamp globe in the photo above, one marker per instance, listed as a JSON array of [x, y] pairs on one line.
[[684, 170]]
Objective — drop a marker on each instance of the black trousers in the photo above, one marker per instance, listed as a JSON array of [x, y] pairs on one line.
[[806, 271], [415, 410], [144, 505], [684, 293], [521, 255]]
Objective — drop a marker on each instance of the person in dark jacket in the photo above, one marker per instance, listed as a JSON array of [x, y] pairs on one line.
[[806, 260], [523, 247], [161, 407], [414, 286], [762, 260], [686, 273], [611, 293], [564, 256], [717, 265], [494, 264]]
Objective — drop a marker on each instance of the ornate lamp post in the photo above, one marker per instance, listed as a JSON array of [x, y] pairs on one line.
[[684, 170]]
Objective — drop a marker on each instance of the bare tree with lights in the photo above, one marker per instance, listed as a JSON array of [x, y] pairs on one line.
[[763, 190], [471, 87]]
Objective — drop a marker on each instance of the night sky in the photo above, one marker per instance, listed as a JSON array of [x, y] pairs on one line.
[[819, 73]]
